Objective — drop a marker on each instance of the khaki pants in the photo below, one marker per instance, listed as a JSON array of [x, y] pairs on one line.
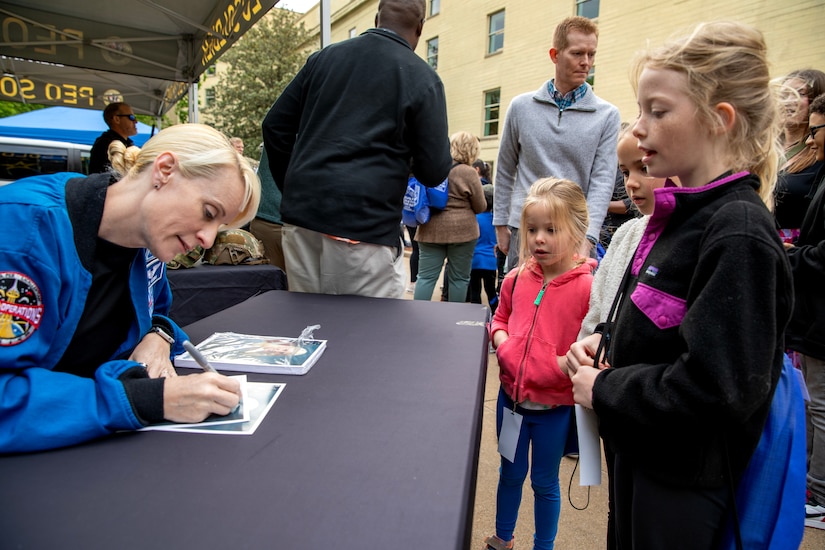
[[320, 264]]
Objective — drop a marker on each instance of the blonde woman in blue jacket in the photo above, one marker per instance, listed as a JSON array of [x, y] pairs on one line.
[[86, 346]]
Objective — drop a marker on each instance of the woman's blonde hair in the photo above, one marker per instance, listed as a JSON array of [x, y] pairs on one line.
[[202, 152], [725, 61], [464, 147], [790, 100], [567, 206]]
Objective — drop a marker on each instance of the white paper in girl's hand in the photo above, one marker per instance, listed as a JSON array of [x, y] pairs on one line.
[[590, 449]]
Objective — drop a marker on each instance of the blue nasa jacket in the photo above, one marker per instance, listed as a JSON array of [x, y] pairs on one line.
[[43, 290]]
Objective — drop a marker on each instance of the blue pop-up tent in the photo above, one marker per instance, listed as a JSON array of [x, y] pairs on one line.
[[64, 124]]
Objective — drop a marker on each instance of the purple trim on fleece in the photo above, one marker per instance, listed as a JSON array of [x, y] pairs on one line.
[[665, 203], [664, 310]]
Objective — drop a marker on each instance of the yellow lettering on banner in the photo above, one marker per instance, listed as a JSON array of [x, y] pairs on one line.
[[229, 14], [226, 24], [87, 92], [16, 89], [14, 31], [8, 86], [26, 89], [76, 35], [52, 92], [51, 37], [70, 92], [7, 30], [251, 9]]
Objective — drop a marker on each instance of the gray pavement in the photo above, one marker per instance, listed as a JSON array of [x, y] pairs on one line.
[[582, 527]]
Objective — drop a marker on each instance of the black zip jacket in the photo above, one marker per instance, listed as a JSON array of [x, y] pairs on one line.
[[343, 136]]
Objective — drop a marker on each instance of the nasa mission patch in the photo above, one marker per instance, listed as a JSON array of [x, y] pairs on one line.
[[21, 308]]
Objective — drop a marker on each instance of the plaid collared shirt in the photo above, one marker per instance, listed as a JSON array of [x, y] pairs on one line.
[[566, 100]]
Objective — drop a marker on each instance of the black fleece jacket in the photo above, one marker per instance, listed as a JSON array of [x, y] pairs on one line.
[[698, 344], [343, 136], [806, 331]]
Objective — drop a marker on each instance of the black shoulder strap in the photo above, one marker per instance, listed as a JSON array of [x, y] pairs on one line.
[[513, 290], [604, 345]]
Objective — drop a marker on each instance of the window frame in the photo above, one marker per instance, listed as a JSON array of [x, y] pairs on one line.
[[489, 108], [583, 6], [210, 97], [495, 35], [432, 58]]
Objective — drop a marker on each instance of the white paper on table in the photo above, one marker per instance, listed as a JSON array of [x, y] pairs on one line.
[[590, 448]]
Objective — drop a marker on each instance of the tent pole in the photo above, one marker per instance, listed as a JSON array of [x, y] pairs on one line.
[[193, 102], [325, 23]]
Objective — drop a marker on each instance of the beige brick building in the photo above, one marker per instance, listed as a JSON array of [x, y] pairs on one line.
[[488, 51]]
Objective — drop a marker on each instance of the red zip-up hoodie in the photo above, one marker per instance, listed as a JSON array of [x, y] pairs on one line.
[[542, 321]]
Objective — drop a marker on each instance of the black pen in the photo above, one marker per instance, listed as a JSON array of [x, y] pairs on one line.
[[198, 357]]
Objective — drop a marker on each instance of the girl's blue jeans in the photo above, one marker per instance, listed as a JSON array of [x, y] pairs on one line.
[[547, 431]]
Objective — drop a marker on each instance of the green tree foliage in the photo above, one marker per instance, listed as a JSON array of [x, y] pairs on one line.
[[182, 109], [9, 108], [261, 64]]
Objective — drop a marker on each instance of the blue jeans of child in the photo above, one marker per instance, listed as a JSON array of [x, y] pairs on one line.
[[547, 431]]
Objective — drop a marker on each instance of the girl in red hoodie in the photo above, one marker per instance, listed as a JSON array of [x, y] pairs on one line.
[[540, 311]]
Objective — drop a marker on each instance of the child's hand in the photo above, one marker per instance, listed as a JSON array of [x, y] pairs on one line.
[[583, 381], [499, 337], [562, 361], [581, 353]]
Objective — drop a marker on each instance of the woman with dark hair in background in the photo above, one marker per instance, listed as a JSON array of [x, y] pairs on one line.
[[796, 184]]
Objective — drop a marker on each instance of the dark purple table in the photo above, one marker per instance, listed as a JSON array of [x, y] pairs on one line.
[[375, 447]]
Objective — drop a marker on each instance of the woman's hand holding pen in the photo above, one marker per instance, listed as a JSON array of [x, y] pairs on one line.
[[581, 369], [194, 397]]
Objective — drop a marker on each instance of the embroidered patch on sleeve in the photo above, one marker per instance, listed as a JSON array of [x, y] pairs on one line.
[[21, 308]]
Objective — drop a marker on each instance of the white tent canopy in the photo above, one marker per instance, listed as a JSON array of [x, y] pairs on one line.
[[88, 53]]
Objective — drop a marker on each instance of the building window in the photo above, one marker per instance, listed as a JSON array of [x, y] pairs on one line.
[[495, 40], [435, 7], [211, 70], [352, 32], [432, 52], [209, 97], [588, 8], [492, 108]]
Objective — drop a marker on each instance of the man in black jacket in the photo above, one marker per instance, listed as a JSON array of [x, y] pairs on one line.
[[806, 331], [122, 124], [342, 140]]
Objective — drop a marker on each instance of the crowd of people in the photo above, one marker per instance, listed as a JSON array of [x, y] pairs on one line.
[[682, 338]]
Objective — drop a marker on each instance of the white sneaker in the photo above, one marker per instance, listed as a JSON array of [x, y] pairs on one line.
[[814, 514], [814, 509], [815, 522], [411, 288]]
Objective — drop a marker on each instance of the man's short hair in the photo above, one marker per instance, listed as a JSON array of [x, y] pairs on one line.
[[575, 23], [818, 105], [110, 111]]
